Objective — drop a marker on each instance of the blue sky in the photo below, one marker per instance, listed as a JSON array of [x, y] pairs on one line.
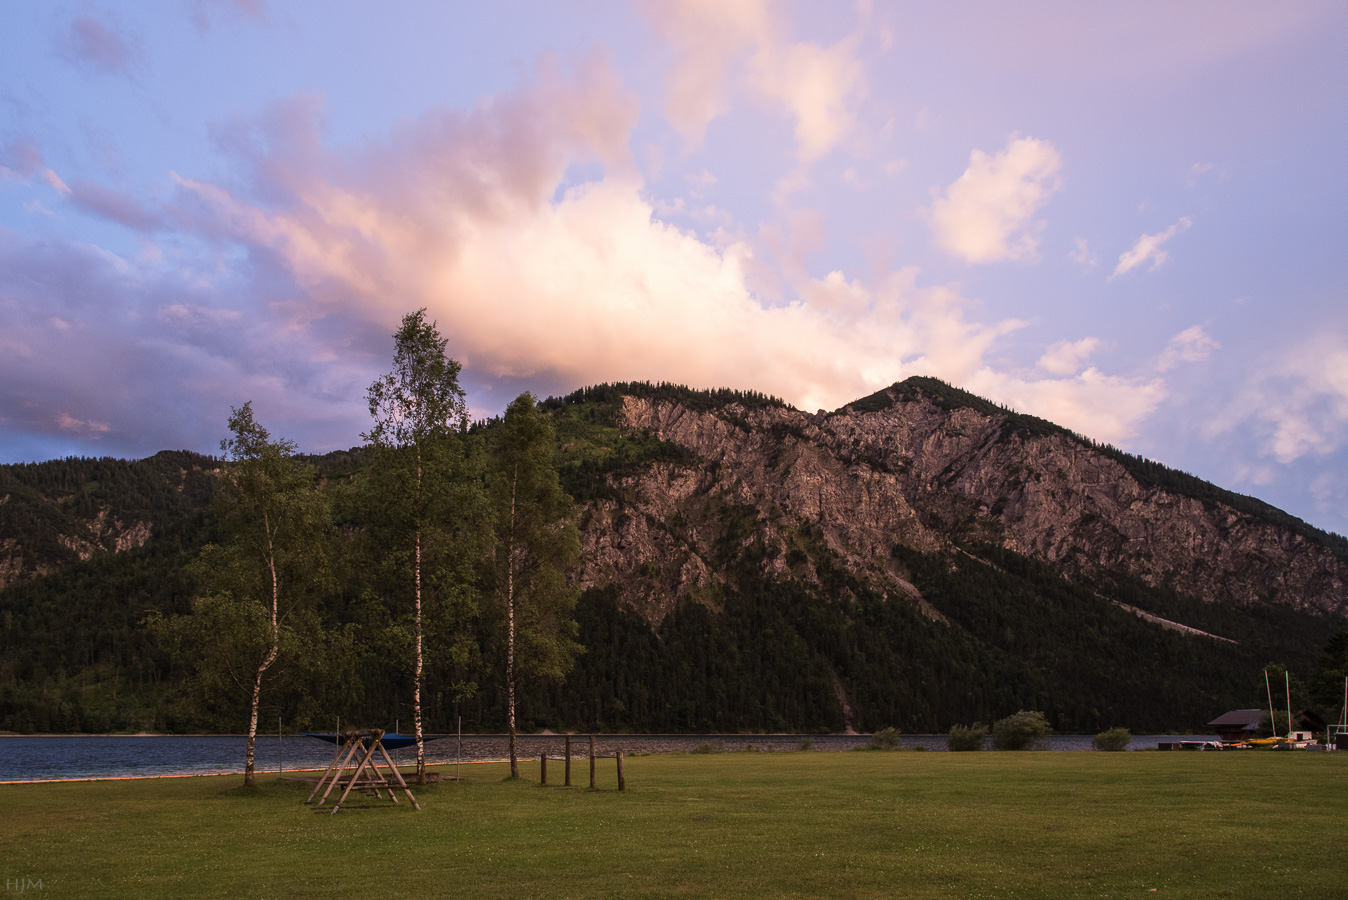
[[1125, 218]]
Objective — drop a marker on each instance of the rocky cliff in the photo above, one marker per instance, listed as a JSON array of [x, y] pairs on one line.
[[927, 467]]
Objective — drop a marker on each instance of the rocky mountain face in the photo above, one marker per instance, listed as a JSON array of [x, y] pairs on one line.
[[63, 511], [927, 467]]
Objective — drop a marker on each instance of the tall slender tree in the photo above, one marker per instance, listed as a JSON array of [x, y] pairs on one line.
[[265, 575], [535, 545], [417, 408]]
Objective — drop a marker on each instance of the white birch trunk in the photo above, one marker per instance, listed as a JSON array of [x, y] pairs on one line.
[[510, 625], [416, 688], [249, 766]]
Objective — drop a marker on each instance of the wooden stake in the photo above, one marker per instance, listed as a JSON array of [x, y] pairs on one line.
[[591, 762], [622, 782], [568, 760], [360, 769], [337, 776], [336, 756], [398, 776], [543, 767]]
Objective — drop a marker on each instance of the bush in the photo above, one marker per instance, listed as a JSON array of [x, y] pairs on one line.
[[1114, 740], [966, 737], [709, 747], [885, 739], [1276, 725], [1025, 730]]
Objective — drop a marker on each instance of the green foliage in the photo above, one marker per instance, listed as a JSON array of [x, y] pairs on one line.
[[1277, 726], [417, 475], [1327, 688], [884, 739], [1024, 730], [60, 512], [1114, 740], [420, 399], [964, 738], [261, 582], [535, 541], [694, 399]]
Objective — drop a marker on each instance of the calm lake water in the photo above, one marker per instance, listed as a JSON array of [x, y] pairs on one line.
[[63, 757]]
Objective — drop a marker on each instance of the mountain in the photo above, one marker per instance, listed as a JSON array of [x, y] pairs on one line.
[[56, 513], [928, 467], [918, 558]]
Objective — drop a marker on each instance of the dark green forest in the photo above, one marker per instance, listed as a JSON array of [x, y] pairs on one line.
[[758, 653]]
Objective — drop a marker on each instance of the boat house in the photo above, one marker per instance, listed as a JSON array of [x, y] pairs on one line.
[[1237, 725]]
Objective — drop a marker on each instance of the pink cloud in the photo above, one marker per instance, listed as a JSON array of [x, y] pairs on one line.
[[102, 45], [119, 207]]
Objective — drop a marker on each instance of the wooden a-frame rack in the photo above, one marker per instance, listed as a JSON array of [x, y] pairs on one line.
[[361, 747]]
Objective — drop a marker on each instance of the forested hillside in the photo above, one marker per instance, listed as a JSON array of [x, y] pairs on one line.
[[919, 558]]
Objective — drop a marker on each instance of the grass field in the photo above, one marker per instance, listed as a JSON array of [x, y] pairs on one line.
[[873, 824]]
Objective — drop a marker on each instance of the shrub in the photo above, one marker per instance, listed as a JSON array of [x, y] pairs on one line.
[[1025, 730], [805, 744], [1276, 725], [709, 747], [966, 737], [1115, 739], [885, 739]]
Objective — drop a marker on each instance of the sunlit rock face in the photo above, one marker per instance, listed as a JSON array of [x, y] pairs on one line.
[[905, 467]]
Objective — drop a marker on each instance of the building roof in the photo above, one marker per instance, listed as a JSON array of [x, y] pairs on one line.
[[1238, 718]]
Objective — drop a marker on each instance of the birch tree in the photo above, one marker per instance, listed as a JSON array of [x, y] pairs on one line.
[[263, 579], [535, 546], [417, 408]]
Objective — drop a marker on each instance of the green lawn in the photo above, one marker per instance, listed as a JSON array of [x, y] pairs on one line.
[[872, 824]]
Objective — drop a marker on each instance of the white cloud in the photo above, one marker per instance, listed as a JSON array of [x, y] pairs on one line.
[[1082, 254], [987, 214], [1104, 407], [591, 286], [1196, 172], [1067, 357], [709, 36], [461, 211], [1148, 247], [1190, 345], [723, 44], [817, 85], [1296, 402]]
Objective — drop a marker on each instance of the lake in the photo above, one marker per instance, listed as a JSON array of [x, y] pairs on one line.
[[79, 757]]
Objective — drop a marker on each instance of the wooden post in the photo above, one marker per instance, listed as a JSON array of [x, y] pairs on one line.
[[360, 770], [568, 760], [591, 762], [352, 744], [622, 782], [543, 767], [336, 756], [399, 778]]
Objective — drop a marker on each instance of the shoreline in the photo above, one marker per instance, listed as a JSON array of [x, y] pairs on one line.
[[238, 772]]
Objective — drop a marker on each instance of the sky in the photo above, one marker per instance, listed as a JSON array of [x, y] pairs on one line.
[[1126, 218]]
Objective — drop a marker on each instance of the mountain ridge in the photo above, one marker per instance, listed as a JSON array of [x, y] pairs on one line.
[[915, 558]]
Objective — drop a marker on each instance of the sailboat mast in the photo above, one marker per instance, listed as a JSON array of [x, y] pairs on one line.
[[1272, 722], [1287, 681]]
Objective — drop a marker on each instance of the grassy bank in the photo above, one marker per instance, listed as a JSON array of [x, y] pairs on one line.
[[744, 824]]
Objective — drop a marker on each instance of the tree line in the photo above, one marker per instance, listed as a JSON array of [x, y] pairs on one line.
[[433, 530]]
